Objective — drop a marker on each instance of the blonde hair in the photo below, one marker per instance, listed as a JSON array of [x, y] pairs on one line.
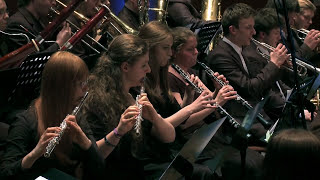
[[306, 4]]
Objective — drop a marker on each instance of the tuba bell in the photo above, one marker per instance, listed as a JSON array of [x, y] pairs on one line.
[[160, 11], [211, 10]]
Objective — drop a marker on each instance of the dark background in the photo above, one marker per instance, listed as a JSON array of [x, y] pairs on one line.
[[116, 6]]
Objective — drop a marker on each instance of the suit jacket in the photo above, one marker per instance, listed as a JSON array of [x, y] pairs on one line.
[[24, 18], [253, 86], [182, 13], [130, 18]]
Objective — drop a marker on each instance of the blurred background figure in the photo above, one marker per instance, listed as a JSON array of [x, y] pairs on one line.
[[306, 14]]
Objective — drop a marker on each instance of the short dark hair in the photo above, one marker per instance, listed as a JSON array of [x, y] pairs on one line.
[[234, 13], [266, 20], [292, 5]]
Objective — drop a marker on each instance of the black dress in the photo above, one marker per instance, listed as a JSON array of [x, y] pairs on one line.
[[23, 138]]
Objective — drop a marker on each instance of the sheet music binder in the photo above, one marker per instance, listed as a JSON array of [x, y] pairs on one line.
[[29, 79]]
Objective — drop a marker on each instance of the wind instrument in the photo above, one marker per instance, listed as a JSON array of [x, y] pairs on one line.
[[137, 125], [245, 103], [160, 11], [86, 28], [211, 10], [17, 56], [55, 141], [231, 120], [302, 66]]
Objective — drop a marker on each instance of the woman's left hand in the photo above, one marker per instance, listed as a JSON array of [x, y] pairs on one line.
[[148, 111], [220, 77], [78, 136]]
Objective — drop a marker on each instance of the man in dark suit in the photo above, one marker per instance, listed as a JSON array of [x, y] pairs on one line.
[[227, 59], [28, 20]]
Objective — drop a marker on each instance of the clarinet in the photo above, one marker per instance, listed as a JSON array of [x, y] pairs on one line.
[[232, 121], [53, 142], [137, 125], [210, 73]]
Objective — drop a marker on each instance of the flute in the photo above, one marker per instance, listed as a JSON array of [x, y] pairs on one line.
[[232, 121], [245, 103], [137, 125], [53, 142]]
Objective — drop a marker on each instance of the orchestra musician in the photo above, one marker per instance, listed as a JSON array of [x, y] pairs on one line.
[[189, 114], [123, 68], [228, 59], [304, 18], [28, 20], [77, 153], [304, 48]]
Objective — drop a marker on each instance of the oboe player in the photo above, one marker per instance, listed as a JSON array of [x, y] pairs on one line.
[[29, 135]]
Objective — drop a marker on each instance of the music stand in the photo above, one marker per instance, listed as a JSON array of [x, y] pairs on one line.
[[206, 34], [181, 165], [28, 79]]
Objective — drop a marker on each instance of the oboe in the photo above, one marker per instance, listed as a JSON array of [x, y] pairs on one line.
[[210, 73], [137, 125], [53, 142], [232, 121]]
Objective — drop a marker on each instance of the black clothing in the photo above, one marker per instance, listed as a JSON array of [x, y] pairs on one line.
[[182, 13], [25, 19], [130, 18], [23, 138]]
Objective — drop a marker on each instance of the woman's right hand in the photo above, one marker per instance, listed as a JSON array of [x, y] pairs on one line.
[[128, 119], [205, 100], [44, 140]]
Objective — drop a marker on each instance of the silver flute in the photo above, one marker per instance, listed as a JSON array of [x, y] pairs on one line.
[[231, 120], [53, 142], [137, 125]]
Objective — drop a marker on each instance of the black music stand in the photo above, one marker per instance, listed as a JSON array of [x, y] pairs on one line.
[[206, 34], [182, 163], [28, 80]]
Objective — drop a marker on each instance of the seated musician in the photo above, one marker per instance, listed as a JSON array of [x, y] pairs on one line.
[[304, 18], [267, 31], [112, 113], [29, 20], [77, 153], [185, 55], [228, 59], [304, 48]]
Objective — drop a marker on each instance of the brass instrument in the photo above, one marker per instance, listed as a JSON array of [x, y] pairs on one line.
[[301, 65], [160, 10], [211, 10], [316, 100], [117, 25]]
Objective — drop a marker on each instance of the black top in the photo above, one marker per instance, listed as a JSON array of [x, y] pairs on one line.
[[23, 138], [182, 13], [24, 18]]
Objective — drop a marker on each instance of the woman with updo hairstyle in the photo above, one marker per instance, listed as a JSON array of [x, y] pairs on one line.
[[63, 85], [112, 113], [292, 154]]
